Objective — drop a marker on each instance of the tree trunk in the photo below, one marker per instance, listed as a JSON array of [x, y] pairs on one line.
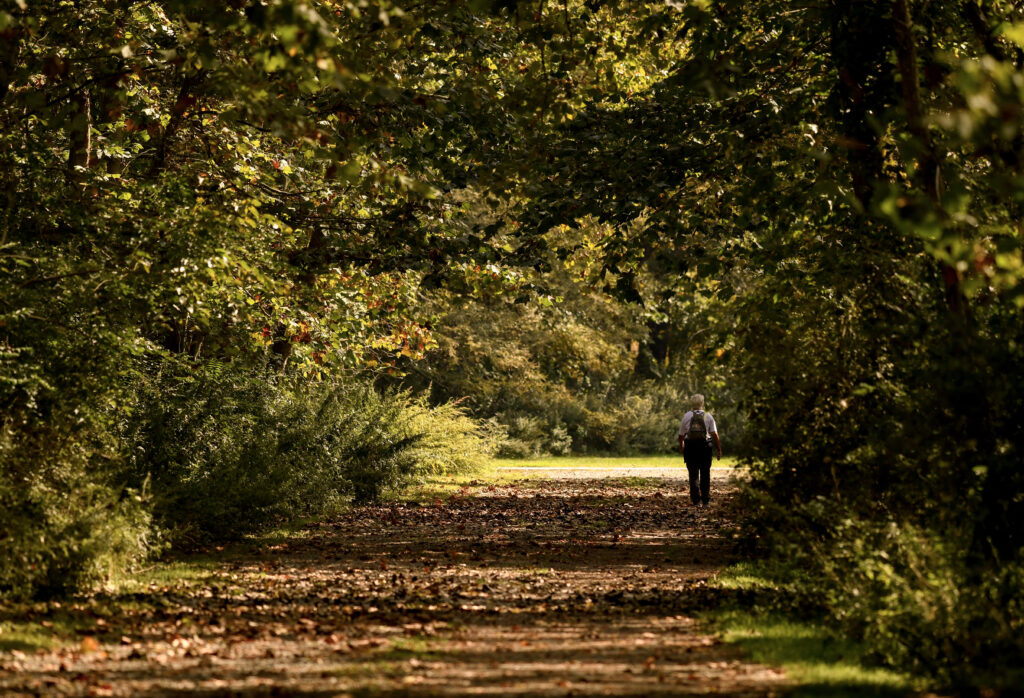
[[184, 101], [80, 135], [929, 171], [10, 48]]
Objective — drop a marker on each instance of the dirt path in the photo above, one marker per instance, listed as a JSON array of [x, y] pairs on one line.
[[547, 587]]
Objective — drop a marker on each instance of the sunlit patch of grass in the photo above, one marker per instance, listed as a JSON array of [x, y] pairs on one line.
[[746, 575], [293, 530], [445, 486], [357, 670], [816, 661], [600, 461], [28, 636], [28, 627], [413, 647], [184, 572]]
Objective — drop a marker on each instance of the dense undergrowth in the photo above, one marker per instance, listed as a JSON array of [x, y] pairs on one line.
[[911, 599], [898, 495], [579, 376], [209, 455], [773, 613]]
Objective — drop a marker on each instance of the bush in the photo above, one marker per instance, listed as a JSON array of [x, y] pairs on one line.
[[387, 439], [65, 524], [451, 441], [68, 518], [559, 443], [203, 454], [224, 451], [914, 596], [914, 599], [515, 448], [229, 451]]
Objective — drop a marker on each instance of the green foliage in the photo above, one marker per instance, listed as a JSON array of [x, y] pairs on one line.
[[63, 527], [572, 375], [915, 600], [450, 441], [388, 439], [834, 191], [227, 451], [817, 663], [775, 610], [187, 183], [578, 215]]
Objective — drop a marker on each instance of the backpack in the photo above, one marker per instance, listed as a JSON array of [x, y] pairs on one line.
[[698, 430]]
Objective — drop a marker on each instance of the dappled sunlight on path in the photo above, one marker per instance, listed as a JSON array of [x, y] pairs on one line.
[[542, 587]]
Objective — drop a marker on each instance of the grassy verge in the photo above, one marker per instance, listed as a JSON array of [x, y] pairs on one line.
[[79, 621], [666, 461], [444, 486], [496, 472], [816, 661], [28, 634]]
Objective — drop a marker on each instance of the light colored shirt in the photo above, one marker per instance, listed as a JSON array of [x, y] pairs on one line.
[[709, 422]]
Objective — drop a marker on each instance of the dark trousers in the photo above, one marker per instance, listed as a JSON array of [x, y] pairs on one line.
[[697, 457]]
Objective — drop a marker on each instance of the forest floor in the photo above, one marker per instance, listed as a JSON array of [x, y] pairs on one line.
[[548, 586]]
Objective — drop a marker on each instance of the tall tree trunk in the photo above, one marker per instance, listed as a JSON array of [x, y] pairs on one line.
[[184, 101], [80, 135], [860, 55], [929, 170], [10, 49]]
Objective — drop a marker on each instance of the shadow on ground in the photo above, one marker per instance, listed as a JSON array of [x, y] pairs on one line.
[[545, 587]]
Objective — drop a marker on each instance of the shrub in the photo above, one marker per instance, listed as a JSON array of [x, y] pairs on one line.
[[515, 448], [231, 451], [522, 436], [224, 451], [559, 442], [913, 595], [451, 441], [68, 520], [65, 524]]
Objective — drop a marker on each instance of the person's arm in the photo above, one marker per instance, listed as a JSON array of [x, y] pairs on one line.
[[682, 444], [718, 443]]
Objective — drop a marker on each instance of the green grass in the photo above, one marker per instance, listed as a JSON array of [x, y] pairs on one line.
[[28, 636], [816, 661], [443, 486], [415, 647], [665, 461], [27, 627], [187, 571], [496, 473]]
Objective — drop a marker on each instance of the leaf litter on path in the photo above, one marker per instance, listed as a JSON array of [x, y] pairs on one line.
[[533, 588]]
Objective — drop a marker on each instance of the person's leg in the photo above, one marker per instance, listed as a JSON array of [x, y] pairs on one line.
[[705, 480], [694, 472]]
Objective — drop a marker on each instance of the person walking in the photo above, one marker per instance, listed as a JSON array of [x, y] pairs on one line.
[[697, 433]]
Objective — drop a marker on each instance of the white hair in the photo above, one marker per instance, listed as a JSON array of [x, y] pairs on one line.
[[697, 402]]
